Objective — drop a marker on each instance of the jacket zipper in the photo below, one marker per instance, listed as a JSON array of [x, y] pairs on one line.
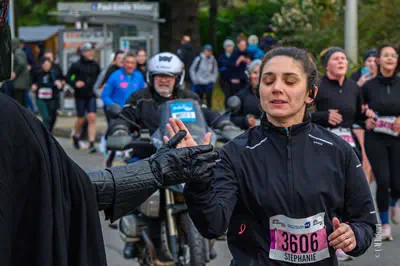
[[388, 89], [290, 171]]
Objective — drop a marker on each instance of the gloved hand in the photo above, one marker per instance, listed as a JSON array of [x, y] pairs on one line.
[[174, 166]]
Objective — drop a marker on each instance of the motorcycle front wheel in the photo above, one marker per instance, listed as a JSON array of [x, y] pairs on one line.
[[195, 241]]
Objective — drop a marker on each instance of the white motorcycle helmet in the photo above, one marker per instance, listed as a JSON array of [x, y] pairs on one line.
[[166, 64]]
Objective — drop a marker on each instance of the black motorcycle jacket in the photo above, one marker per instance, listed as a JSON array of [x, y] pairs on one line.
[[121, 189], [277, 190], [142, 108]]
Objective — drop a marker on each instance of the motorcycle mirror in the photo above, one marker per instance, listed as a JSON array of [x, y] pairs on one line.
[[113, 110], [233, 104]]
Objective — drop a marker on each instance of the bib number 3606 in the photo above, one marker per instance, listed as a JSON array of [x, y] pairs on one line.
[[298, 241], [303, 243]]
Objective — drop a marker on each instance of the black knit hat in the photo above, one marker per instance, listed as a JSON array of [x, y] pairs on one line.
[[327, 53], [369, 53]]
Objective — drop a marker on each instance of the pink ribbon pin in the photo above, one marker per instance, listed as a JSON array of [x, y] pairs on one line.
[[242, 229]]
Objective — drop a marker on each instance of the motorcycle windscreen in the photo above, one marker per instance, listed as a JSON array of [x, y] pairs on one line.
[[189, 112]]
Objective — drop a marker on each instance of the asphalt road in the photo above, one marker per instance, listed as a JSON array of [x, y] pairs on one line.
[[389, 254]]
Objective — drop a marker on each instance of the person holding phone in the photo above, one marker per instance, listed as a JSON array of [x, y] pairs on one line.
[[368, 71]]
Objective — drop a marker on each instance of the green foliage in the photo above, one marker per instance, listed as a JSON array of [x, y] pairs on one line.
[[310, 24], [249, 19], [378, 23], [33, 13]]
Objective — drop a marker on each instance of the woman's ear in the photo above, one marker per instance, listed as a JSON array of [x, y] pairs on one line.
[[311, 95]]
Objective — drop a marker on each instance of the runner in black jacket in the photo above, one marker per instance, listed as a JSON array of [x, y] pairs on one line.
[[281, 187], [382, 141], [82, 76], [339, 101]]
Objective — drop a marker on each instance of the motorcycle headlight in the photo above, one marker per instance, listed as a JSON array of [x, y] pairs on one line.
[[151, 207]]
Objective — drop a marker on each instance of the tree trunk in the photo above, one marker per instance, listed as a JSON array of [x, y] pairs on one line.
[[212, 34], [182, 18]]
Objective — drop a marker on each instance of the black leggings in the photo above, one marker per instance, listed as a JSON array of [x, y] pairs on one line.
[[383, 152]]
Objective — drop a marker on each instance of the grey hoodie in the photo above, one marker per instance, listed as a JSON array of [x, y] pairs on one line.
[[206, 71]]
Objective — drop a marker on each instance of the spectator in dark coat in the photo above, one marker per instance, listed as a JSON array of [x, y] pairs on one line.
[[187, 55], [250, 110], [237, 65], [268, 40], [225, 75]]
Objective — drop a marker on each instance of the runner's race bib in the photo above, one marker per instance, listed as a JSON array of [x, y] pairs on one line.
[[345, 134], [384, 125], [45, 93], [183, 111], [298, 241]]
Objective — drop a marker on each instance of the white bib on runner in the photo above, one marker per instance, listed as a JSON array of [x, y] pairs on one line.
[[45, 93], [298, 241], [345, 134], [384, 125]]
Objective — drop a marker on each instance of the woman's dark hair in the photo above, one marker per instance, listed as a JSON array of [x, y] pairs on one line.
[[300, 55], [141, 50], [117, 53], [383, 46], [379, 53]]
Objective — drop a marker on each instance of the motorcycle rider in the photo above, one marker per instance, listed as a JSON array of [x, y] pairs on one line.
[[165, 77]]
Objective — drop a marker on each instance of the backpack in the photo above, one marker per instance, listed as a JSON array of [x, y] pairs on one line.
[[198, 65]]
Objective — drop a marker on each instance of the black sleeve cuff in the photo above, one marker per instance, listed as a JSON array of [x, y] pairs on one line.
[[134, 183]]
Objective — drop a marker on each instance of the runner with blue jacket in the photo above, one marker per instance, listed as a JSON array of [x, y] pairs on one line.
[[123, 82]]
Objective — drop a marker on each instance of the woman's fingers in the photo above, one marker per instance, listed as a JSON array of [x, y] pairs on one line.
[[207, 139], [182, 126], [174, 125], [170, 130], [166, 139]]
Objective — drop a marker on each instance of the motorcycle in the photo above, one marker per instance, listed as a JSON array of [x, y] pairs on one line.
[[161, 229]]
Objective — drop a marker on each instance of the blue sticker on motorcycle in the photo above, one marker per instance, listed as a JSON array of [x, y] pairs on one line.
[[183, 111]]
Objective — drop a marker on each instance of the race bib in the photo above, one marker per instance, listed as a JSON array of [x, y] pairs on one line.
[[298, 241], [384, 124], [183, 111], [45, 93], [345, 134]]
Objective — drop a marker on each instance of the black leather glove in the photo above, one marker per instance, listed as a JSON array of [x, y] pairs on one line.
[[121, 189], [175, 166]]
